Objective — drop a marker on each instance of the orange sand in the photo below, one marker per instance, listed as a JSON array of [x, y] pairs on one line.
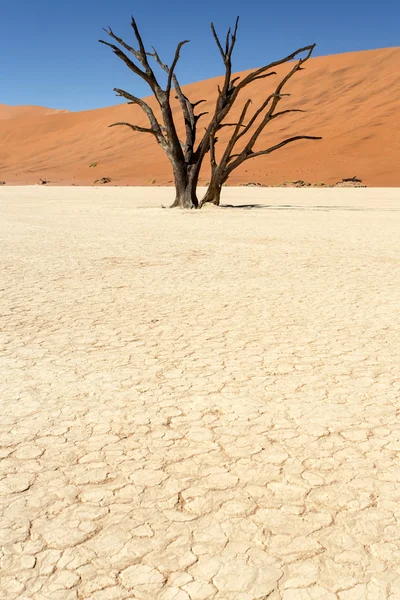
[[350, 101]]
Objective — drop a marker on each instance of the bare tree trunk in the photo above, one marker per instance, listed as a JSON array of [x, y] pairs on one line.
[[213, 194], [185, 186]]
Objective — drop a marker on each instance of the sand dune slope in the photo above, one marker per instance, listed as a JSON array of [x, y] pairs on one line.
[[350, 100], [15, 112]]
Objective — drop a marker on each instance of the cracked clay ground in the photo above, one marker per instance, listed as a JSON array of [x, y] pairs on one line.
[[199, 405]]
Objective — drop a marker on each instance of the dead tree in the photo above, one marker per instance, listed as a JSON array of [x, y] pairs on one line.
[[187, 158], [267, 112]]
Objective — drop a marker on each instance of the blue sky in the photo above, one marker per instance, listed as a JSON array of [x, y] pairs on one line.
[[50, 55]]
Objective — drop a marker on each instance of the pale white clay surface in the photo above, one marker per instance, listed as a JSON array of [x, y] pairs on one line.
[[199, 405]]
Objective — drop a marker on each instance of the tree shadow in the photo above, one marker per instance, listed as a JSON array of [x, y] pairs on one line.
[[244, 206], [308, 208]]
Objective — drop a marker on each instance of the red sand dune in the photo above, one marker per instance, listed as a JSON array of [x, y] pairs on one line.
[[14, 112], [351, 100]]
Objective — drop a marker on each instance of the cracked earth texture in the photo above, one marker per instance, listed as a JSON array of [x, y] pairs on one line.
[[199, 405]]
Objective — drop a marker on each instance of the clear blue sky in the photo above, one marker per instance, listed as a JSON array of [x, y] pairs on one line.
[[50, 55]]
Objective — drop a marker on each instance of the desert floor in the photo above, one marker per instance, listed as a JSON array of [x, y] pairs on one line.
[[200, 405]]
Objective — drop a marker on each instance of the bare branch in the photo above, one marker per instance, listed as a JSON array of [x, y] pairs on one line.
[[120, 41], [227, 41], [236, 134], [130, 64], [142, 50], [241, 119], [264, 76], [134, 127], [189, 119], [172, 145], [243, 156], [213, 162], [228, 86], [275, 97], [233, 38], [155, 126], [198, 102], [140, 56], [236, 28], [284, 112], [165, 132], [157, 58], [216, 38], [197, 117], [174, 62], [170, 70], [256, 114], [187, 107], [251, 76], [229, 125], [229, 93], [283, 143]]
